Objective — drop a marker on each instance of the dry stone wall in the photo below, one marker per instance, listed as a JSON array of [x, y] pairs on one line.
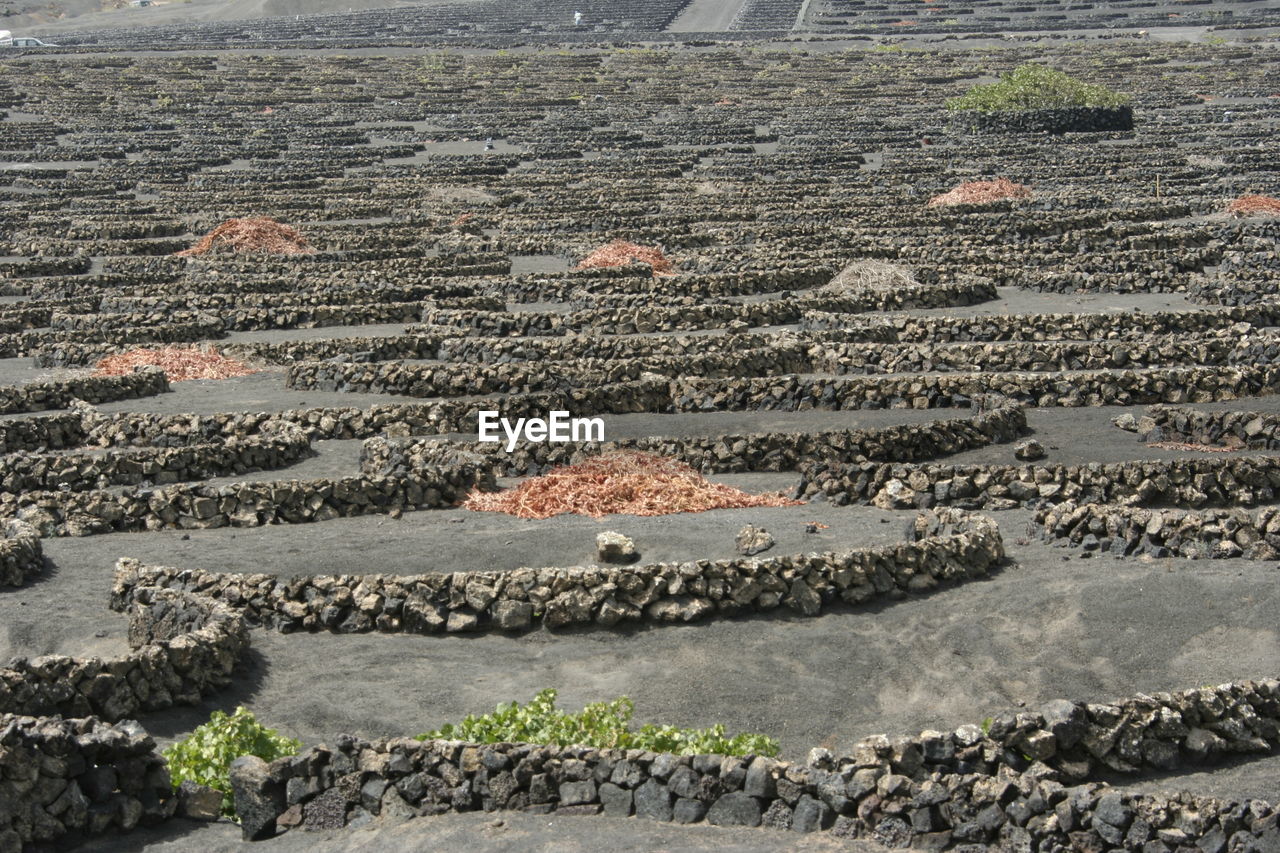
[[1082, 388], [21, 555], [184, 646], [1110, 529], [78, 777], [43, 266], [240, 317], [790, 356], [1053, 121], [639, 279], [713, 455], [102, 321], [484, 350], [347, 422], [286, 289], [356, 349], [1198, 482], [1254, 430], [1048, 327], [952, 547], [1077, 741], [245, 504], [1220, 349], [886, 791], [646, 319], [79, 471], [45, 432], [969, 291], [457, 380], [58, 394], [79, 349]]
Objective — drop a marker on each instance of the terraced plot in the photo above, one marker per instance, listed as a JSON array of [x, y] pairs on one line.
[[1030, 447]]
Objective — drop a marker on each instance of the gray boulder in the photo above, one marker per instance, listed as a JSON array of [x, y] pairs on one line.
[[612, 547], [752, 540], [1029, 450]]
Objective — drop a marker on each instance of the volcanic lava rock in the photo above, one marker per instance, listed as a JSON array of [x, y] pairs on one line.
[[258, 798], [753, 540], [895, 495], [199, 802], [735, 809], [1029, 450]]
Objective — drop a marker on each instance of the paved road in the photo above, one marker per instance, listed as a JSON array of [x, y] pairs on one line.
[[706, 16]]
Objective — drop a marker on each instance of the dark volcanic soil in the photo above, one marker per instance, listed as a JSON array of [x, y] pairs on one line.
[[486, 833], [1051, 623]]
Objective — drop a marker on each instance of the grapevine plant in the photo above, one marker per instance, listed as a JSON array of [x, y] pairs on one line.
[[604, 725], [205, 755], [1033, 87]]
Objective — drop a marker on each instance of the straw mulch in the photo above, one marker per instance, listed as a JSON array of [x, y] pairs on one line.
[[259, 234], [629, 483], [1197, 447], [981, 192], [178, 363], [1254, 205], [621, 253], [869, 274]]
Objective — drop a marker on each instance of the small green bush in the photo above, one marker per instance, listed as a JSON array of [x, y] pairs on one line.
[[600, 724], [1034, 87], [205, 755]]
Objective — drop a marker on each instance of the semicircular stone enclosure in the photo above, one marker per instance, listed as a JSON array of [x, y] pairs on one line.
[[368, 369]]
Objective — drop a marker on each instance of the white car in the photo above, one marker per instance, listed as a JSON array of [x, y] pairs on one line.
[[7, 40]]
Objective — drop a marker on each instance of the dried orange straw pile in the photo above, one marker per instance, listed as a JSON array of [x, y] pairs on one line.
[[981, 192], [620, 253], [253, 234], [178, 363], [629, 482], [1253, 205]]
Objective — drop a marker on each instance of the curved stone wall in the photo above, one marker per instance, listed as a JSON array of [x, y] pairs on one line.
[[1046, 327], [21, 556], [714, 455], [459, 380], [886, 791], [1075, 388], [184, 646], [1235, 429], [1055, 121], [79, 349], [247, 504], [957, 547], [1111, 529], [1230, 481], [80, 471], [58, 394], [78, 777]]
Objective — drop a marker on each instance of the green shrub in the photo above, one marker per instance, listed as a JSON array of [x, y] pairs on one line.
[[205, 755], [601, 725], [1034, 87]]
